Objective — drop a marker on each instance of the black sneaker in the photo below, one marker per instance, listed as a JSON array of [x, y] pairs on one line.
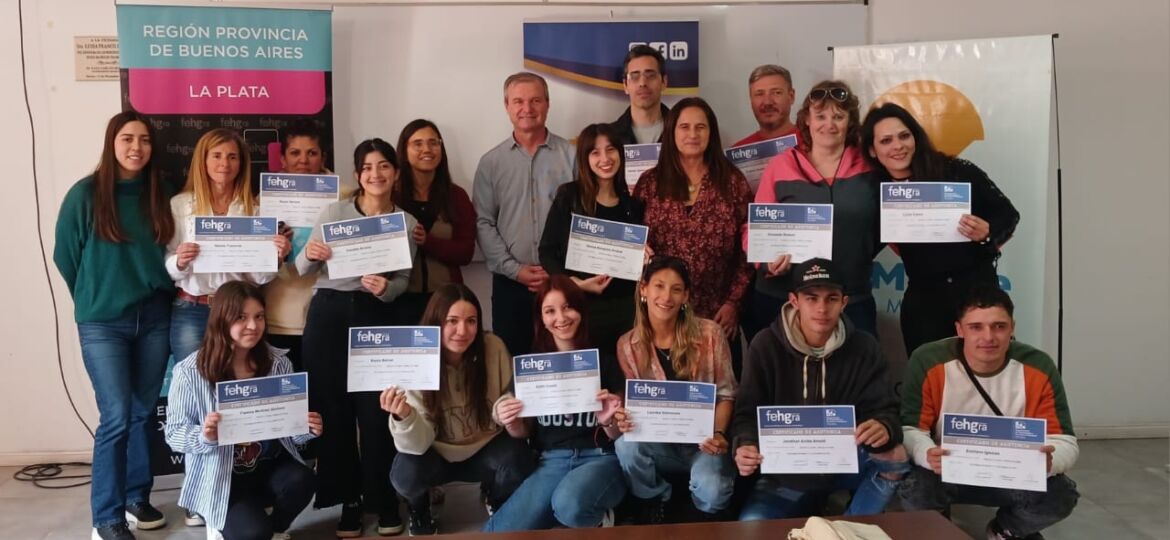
[[421, 523], [350, 525], [191, 519], [996, 532], [117, 531], [144, 517], [651, 511], [389, 522]]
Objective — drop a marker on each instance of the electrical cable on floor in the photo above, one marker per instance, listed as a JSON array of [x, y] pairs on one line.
[[44, 475]]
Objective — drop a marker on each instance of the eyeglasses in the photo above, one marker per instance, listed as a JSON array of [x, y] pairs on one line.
[[649, 76], [419, 144], [837, 93]]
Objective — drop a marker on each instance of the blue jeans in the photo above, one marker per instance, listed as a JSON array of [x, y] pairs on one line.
[[126, 359], [770, 499], [188, 324], [712, 477], [573, 488]]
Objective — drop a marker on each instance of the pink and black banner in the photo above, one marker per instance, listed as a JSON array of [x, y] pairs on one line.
[[193, 69]]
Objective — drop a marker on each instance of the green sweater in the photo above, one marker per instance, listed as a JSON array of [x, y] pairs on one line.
[[108, 279]]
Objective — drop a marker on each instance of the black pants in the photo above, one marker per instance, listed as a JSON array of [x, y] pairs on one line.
[[512, 314], [1021, 512], [355, 452], [499, 467], [610, 316], [929, 306], [283, 484]]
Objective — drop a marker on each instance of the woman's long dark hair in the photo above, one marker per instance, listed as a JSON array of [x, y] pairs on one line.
[[214, 358], [672, 179], [359, 156], [586, 180], [154, 201], [440, 190], [927, 163], [542, 339], [474, 358]]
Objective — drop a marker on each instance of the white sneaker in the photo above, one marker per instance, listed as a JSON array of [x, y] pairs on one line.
[[191, 519], [607, 519]]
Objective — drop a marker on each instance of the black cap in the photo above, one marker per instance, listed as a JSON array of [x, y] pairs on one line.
[[815, 273]]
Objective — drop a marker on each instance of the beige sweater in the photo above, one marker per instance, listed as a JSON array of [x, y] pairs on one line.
[[460, 438]]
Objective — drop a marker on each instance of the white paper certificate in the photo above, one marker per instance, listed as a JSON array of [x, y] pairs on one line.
[[598, 246], [368, 245], [639, 159], [403, 356], [923, 211], [995, 451], [234, 244], [807, 439], [558, 383], [804, 231], [263, 408], [670, 411], [297, 199], [752, 159]]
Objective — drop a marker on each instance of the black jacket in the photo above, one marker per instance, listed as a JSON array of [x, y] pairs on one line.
[[625, 126], [774, 374]]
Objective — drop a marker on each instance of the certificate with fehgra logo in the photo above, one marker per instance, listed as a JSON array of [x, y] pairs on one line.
[[297, 199], [807, 439], [598, 246], [558, 383], [402, 356], [752, 159], [995, 451], [670, 411], [262, 408], [234, 244], [923, 211], [367, 245], [639, 158], [804, 231]]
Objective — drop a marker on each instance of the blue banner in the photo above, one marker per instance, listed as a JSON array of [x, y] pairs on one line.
[[235, 226], [806, 417], [784, 213], [300, 183], [944, 192], [556, 363], [394, 337], [261, 388], [592, 52], [1026, 430], [363, 227], [763, 150], [609, 230], [670, 391]]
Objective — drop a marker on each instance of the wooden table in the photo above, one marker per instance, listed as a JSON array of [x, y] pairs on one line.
[[922, 525]]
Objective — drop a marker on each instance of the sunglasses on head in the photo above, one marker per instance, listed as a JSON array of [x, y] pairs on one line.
[[837, 93]]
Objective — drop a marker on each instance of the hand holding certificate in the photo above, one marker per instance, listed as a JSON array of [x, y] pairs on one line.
[[995, 451], [297, 199], [406, 357], [235, 244], [369, 245], [752, 159], [598, 246], [670, 411], [639, 159], [807, 439], [923, 211], [262, 408], [558, 383], [804, 231]]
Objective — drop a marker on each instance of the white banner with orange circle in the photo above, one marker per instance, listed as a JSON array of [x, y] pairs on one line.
[[988, 101]]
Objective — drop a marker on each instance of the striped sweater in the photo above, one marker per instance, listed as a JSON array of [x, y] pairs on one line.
[[208, 482], [1028, 386]]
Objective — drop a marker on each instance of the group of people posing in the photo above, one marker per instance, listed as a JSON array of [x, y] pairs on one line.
[[125, 247]]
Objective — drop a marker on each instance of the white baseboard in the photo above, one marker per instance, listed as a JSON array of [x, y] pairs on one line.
[[19, 459], [1123, 432]]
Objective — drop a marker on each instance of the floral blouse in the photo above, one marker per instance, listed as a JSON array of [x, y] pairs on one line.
[[706, 236]]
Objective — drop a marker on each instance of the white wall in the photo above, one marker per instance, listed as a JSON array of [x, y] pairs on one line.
[[1114, 124], [1114, 144]]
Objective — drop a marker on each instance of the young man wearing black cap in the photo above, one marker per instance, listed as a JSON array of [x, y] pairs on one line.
[[812, 355]]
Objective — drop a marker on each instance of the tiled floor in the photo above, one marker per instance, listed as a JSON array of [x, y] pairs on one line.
[[1124, 485]]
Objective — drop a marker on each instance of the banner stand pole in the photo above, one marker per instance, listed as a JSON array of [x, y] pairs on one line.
[[1059, 221]]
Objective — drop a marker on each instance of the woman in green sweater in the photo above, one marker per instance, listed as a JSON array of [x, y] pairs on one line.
[[111, 241]]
